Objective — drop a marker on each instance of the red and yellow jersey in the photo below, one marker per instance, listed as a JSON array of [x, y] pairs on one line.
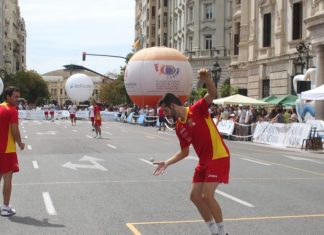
[[8, 116], [96, 111], [200, 130]]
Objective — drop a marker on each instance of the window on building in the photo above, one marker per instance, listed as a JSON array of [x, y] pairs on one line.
[[267, 30], [147, 31], [165, 3], [237, 38], [165, 19], [265, 88], [152, 44], [208, 42], [190, 14], [297, 21], [159, 22], [61, 91], [153, 30], [165, 39], [190, 40], [147, 14], [153, 12], [208, 11]]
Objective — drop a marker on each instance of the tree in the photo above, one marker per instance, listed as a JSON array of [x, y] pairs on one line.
[[196, 94], [32, 87], [115, 92], [227, 89]]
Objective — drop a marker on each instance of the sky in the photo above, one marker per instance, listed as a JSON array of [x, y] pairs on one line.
[[58, 31]]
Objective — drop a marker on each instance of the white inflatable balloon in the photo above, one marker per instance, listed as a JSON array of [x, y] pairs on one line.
[[1, 86], [79, 87]]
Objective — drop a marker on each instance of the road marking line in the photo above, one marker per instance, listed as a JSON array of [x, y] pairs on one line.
[[29, 147], [234, 198], [150, 137], [49, 204], [26, 137], [74, 130], [111, 146], [107, 132], [35, 165], [89, 136], [146, 161], [262, 163], [24, 131]]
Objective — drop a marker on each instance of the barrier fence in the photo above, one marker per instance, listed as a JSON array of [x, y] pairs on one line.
[[288, 135]]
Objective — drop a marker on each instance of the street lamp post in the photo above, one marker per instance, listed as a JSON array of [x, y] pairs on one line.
[[216, 73]]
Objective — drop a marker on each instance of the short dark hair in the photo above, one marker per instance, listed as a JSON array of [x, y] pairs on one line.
[[9, 91], [169, 99]]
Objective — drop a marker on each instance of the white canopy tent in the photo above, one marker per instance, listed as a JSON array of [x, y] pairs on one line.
[[314, 94], [239, 99]]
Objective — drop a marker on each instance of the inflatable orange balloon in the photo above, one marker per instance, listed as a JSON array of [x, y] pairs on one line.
[[154, 71]]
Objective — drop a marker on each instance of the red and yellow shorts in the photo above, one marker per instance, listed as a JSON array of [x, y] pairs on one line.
[[213, 171], [97, 122], [72, 116], [8, 163]]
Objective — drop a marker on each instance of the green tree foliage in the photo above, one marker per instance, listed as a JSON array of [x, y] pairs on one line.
[[227, 89], [197, 94], [32, 87], [114, 92]]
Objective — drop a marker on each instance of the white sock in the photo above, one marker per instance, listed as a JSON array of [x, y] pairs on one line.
[[221, 229], [212, 226]]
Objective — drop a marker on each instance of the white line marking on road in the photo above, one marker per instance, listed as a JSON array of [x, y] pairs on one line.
[[49, 204], [26, 137], [24, 131], [89, 136], [303, 159], [29, 147], [35, 164], [234, 198], [111, 146], [107, 132], [74, 130], [150, 137], [146, 161], [262, 163]]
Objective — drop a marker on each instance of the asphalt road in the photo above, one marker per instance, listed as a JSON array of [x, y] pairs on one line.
[[71, 183]]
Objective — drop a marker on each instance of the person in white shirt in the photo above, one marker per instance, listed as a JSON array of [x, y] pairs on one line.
[[72, 110], [91, 116]]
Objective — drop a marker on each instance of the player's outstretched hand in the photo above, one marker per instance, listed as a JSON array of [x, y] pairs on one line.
[[203, 74], [161, 167]]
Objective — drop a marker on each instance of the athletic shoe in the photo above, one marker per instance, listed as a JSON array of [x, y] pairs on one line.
[[95, 137], [99, 137], [7, 211]]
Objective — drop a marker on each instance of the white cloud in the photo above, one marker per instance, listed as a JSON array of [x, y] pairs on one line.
[[59, 31]]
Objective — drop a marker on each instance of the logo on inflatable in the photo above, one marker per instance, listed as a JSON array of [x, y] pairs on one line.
[[168, 70]]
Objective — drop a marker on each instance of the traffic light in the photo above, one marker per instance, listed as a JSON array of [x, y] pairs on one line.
[[84, 56]]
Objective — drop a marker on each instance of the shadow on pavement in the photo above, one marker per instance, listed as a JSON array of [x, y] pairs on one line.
[[34, 222]]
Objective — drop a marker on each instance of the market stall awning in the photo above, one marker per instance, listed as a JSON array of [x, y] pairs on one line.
[[239, 99]]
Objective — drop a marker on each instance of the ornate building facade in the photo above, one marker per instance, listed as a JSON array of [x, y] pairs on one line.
[[199, 29], [265, 34], [13, 37]]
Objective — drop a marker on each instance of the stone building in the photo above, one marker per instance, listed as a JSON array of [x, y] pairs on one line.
[[13, 37], [199, 29], [265, 34]]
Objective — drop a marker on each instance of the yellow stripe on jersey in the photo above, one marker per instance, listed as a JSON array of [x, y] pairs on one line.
[[219, 150], [11, 145]]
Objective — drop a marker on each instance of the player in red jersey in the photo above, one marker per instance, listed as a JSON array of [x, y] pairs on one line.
[[195, 126], [97, 119], [9, 136]]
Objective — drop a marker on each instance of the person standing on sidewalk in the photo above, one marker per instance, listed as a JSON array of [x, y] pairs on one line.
[[195, 126], [9, 137]]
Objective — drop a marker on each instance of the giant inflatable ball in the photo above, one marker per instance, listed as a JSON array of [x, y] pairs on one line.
[[1, 86], [79, 87], [155, 71]]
